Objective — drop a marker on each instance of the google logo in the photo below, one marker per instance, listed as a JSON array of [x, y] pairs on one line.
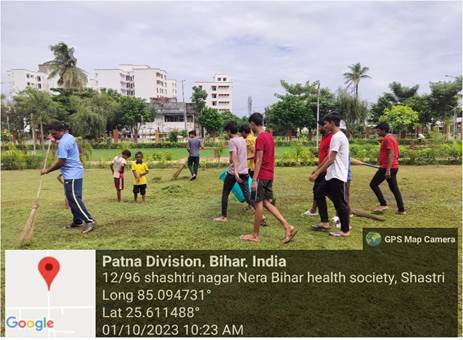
[[39, 325]]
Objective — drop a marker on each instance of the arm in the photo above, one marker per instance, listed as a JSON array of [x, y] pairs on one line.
[[253, 153], [111, 167], [58, 164], [390, 158], [234, 157], [326, 163], [259, 157], [60, 179]]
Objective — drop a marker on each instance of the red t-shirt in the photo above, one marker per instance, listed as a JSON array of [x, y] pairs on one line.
[[388, 143], [264, 142], [324, 148]]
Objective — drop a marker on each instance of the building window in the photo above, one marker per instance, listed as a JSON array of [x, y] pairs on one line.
[[224, 79], [174, 118], [38, 78], [214, 95], [214, 103], [39, 86], [214, 88], [28, 84]]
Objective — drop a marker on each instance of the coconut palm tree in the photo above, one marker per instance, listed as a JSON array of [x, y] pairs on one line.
[[357, 73], [64, 65]]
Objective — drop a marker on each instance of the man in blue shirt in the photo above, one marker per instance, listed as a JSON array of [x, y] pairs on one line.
[[72, 170]]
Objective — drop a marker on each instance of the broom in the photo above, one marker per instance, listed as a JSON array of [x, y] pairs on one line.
[[26, 235], [358, 162], [179, 170]]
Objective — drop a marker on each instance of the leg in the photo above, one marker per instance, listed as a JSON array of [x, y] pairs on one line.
[[195, 165], [320, 199], [143, 192], [245, 189], [377, 179], [76, 199], [336, 189], [135, 193], [394, 187], [348, 196], [259, 215], [190, 165], [228, 184], [119, 195], [76, 218]]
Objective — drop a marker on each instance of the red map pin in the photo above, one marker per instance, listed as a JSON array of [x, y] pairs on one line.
[[49, 268]]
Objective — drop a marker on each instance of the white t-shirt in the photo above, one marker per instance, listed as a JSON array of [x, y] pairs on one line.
[[118, 163], [339, 169]]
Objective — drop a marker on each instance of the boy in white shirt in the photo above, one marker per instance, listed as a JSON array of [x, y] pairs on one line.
[[336, 166], [117, 167]]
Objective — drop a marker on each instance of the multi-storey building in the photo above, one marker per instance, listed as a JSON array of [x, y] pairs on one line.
[[219, 92], [137, 80]]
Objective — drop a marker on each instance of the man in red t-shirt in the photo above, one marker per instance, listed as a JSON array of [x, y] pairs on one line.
[[263, 180], [319, 197], [388, 160]]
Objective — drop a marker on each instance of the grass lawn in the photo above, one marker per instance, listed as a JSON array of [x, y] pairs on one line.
[[177, 153], [178, 214]]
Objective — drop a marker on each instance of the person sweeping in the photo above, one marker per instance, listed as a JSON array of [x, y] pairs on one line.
[[68, 162]]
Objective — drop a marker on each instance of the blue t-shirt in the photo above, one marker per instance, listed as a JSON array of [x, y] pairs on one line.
[[68, 150]]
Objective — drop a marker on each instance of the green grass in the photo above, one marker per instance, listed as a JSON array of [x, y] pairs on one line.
[[177, 153], [178, 214]]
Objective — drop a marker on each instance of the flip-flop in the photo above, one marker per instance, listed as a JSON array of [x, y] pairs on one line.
[[290, 237], [337, 234], [318, 227]]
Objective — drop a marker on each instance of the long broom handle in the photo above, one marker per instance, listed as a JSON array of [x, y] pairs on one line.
[[41, 177]]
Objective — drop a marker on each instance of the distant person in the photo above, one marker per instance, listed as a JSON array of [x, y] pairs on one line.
[[262, 182], [336, 166], [193, 146], [117, 167], [139, 170], [72, 170], [237, 170], [388, 159], [319, 197]]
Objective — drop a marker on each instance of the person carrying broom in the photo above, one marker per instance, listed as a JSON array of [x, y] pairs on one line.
[[71, 168]]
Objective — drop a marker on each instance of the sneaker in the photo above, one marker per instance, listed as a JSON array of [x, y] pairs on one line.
[[73, 225], [193, 178], [336, 221], [88, 227], [310, 213]]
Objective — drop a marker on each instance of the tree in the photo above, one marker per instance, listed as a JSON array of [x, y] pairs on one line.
[[198, 98], [400, 117], [401, 93], [39, 106], [422, 105], [357, 73], [444, 100], [135, 111], [287, 115], [64, 65], [354, 113], [88, 122], [211, 120]]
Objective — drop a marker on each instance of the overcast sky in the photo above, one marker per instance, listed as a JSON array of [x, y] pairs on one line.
[[256, 43]]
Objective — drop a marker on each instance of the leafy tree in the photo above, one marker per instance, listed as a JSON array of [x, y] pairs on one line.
[[422, 105], [400, 117], [13, 121], [444, 100], [87, 121], [211, 120], [287, 115], [198, 98], [401, 93], [64, 65], [134, 111], [39, 106], [354, 113], [377, 109]]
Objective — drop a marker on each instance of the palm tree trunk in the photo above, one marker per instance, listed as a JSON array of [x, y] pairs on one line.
[[42, 140], [33, 135]]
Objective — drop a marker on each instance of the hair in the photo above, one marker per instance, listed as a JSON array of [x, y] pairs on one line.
[[257, 118], [139, 153], [231, 127], [126, 153], [192, 132], [383, 126], [332, 118], [245, 128], [57, 126], [321, 121]]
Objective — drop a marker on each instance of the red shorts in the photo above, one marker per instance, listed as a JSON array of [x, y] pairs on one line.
[[119, 183]]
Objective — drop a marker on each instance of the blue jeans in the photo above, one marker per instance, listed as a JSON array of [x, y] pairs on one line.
[[73, 191]]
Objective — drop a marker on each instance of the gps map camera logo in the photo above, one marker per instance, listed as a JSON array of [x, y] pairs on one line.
[[373, 238]]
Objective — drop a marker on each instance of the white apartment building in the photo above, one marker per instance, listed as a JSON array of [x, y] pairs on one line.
[[20, 79], [219, 92], [137, 80]]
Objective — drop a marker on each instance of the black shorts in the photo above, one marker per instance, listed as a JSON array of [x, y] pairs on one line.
[[139, 189], [264, 190]]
